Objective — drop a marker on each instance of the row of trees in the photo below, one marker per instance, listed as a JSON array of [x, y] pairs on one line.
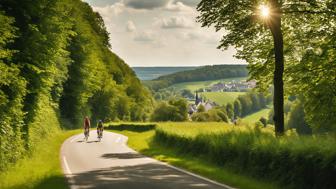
[[295, 117], [56, 54], [247, 104]]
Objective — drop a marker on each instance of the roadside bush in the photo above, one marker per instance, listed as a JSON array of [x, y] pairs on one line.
[[296, 119], [174, 110], [213, 115], [263, 121], [295, 162]]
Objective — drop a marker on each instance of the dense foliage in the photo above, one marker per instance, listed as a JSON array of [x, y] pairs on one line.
[[294, 162], [204, 73], [213, 115], [173, 110], [309, 33], [55, 55], [295, 118], [247, 104]]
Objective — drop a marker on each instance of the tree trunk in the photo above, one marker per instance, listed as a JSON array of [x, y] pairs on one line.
[[278, 101]]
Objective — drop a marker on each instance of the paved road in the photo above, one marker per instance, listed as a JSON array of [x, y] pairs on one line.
[[111, 164]]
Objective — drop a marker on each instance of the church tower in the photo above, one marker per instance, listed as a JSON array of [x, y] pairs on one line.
[[197, 99]]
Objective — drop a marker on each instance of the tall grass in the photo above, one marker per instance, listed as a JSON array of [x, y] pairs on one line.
[[293, 161], [41, 169]]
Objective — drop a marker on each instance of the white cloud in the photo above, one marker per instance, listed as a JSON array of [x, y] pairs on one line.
[[114, 10], [145, 36], [154, 33], [176, 22], [130, 27], [178, 7]]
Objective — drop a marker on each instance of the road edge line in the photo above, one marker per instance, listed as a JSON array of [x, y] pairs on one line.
[[66, 166], [196, 175], [179, 169]]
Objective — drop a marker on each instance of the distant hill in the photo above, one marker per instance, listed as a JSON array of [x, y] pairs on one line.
[[150, 73], [204, 73]]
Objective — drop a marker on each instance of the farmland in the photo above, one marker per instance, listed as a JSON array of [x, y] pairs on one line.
[[222, 98], [193, 86], [256, 151]]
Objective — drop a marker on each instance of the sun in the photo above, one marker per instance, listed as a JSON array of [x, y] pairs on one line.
[[265, 11]]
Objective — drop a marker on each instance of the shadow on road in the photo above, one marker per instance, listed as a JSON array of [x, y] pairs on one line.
[[144, 176], [128, 155]]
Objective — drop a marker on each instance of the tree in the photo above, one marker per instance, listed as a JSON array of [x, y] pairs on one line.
[[171, 111], [296, 119], [256, 28], [229, 110], [187, 93], [200, 108], [239, 20], [237, 108], [246, 104]]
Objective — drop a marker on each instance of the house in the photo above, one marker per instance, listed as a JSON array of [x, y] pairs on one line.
[[208, 105]]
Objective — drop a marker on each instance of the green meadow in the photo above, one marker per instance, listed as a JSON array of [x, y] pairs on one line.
[[193, 86], [222, 98], [253, 118]]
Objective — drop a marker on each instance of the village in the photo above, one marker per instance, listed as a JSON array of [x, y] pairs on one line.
[[232, 86]]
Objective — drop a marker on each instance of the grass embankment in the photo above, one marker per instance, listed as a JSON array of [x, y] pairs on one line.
[[292, 161], [253, 118], [222, 98], [41, 169], [141, 139], [193, 86]]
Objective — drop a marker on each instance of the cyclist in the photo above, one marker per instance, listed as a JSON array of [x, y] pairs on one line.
[[100, 129], [87, 125]]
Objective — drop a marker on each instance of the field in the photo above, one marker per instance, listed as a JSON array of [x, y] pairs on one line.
[[222, 98], [302, 162], [251, 119], [193, 86]]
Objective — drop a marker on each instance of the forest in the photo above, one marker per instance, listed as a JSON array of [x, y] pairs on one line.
[[56, 62], [203, 73], [289, 45]]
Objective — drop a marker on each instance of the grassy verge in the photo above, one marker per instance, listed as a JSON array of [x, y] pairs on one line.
[[42, 169], [292, 161], [143, 143]]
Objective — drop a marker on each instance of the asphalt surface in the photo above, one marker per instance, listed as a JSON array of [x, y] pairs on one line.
[[111, 164]]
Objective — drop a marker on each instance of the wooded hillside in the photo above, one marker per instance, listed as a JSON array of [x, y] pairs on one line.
[[204, 73], [56, 64]]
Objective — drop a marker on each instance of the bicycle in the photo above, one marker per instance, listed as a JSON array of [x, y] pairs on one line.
[[100, 134], [86, 135]]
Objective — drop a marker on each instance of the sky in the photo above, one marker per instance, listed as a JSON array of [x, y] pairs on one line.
[[161, 33]]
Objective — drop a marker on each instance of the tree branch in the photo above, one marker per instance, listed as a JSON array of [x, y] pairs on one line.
[[309, 12]]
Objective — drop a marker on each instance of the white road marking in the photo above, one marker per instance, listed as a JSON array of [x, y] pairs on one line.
[[198, 176], [66, 166], [75, 138]]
